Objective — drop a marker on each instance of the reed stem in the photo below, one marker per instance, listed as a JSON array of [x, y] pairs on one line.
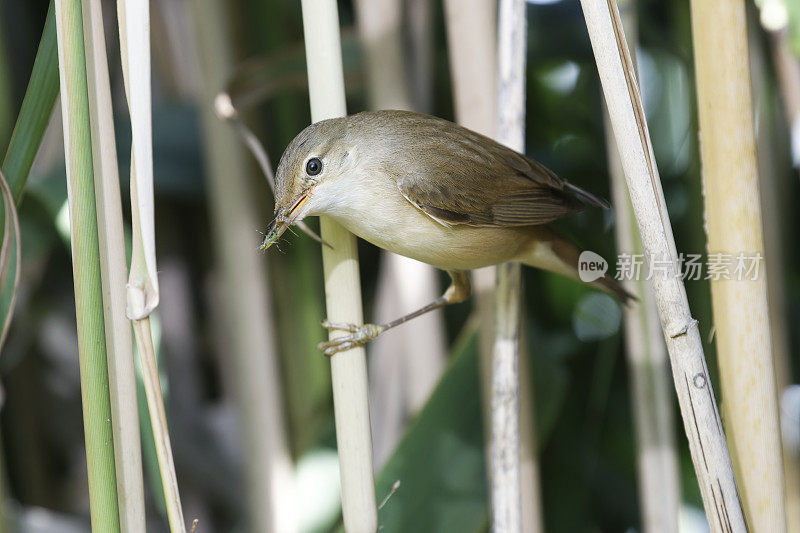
[[113, 269], [142, 287], [695, 393], [651, 395], [246, 311], [506, 468], [86, 268], [158, 421], [342, 287], [735, 232]]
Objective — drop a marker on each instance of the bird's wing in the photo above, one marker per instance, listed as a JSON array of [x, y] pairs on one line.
[[480, 182]]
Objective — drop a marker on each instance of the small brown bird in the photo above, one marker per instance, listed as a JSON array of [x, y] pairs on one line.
[[431, 190]]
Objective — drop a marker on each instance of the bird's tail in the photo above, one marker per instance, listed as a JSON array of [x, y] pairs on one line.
[[586, 197], [551, 251]]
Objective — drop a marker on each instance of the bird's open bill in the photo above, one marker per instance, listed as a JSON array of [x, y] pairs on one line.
[[285, 218]]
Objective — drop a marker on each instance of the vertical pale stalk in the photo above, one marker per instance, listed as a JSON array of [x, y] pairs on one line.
[[420, 48], [342, 288], [734, 226], [380, 31], [86, 268], [142, 289], [787, 66], [405, 363], [651, 397], [472, 49], [245, 293], [698, 408], [119, 345], [506, 498], [505, 390]]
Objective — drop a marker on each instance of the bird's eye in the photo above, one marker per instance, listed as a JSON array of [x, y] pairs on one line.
[[314, 166]]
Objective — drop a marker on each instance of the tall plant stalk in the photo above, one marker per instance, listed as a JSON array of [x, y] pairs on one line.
[[734, 228], [245, 295], [119, 344], [405, 363], [342, 288], [472, 47], [651, 397], [86, 268], [420, 50], [698, 408], [142, 288], [506, 463], [787, 67]]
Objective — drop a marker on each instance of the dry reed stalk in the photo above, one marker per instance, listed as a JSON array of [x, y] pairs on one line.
[[405, 363], [507, 380], [342, 287], [506, 496], [119, 344], [246, 297], [734, 226], [698, 408], [142, 289], [651, 397], [768, 152], [158, 421], [787, 66], [420, 50], [472, 47]]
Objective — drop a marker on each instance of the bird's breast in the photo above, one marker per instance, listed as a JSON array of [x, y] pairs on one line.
[[376, 211]]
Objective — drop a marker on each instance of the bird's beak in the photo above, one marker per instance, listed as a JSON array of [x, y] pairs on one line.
[[286, 217]]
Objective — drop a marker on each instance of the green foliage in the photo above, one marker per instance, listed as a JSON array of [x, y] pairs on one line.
[[440, 461], [36, 110]]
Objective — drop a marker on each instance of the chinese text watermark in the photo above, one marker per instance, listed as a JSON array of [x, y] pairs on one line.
[[739, 266]]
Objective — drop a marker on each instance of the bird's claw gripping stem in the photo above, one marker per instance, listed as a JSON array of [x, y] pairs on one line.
[[359, 336]]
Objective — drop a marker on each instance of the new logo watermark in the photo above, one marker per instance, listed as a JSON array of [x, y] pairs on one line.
[[688, 267], [591, 266]]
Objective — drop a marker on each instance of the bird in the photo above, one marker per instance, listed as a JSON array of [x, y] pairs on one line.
[[434, 191]]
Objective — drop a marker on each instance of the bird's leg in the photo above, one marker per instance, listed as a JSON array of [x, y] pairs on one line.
[[458, 291]]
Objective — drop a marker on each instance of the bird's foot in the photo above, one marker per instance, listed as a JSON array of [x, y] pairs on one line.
[[359, 336]]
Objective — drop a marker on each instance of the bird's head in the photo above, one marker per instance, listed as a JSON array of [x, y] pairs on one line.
[[310, 169]]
